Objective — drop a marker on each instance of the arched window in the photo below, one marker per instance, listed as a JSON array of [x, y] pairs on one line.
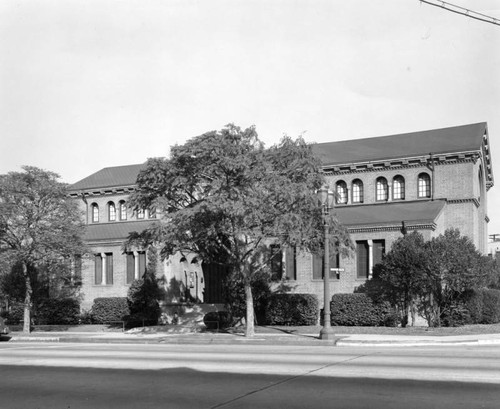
[[357, 191], [398, 188], [382, 189], [123, 210], [95, 212], [111, 212], [341, 188], [424, 185]]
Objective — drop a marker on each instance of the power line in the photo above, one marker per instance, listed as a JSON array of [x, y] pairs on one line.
[[463, 11]]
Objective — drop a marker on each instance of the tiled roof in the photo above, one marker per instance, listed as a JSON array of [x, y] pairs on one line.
[[389, 213], [463, 138], [117, 176], [115, 231]]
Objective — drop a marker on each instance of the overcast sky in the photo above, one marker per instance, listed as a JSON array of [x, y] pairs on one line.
[[90, 84]]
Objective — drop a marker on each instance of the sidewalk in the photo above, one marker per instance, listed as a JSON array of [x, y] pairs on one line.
[[146, 336]]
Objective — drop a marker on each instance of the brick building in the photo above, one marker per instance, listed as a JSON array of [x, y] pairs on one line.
[[427, 181]]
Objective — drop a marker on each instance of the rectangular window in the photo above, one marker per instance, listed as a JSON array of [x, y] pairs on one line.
[[276, 262], [142, 263], [77, 272], [130, 268], [378, 251], [140, 214], [319, 266], [291, 262], [109, 268], [98, 269], [362, 259]]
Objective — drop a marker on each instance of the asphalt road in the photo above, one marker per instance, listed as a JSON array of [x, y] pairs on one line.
[[239, 376]]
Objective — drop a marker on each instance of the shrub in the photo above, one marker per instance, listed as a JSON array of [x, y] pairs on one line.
[[491, 306], [16, 313], [359, 310], [474, 305], [109, 309], [217, 320], [64, 311], [234, 296], [143, 298], [292, 309]]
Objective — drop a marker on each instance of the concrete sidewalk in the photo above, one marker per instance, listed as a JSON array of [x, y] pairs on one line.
[[145, 337]]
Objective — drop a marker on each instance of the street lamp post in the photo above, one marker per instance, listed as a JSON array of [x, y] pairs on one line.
[[326, 198]]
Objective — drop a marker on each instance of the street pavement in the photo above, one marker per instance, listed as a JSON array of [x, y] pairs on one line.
[[145, 335], [128, 376]]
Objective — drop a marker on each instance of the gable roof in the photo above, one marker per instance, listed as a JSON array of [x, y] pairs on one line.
[[116, 176], [463, 138], [421, 212]]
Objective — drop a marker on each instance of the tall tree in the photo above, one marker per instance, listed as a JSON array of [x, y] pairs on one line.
[[456, 266], [40, 226], [224, 196], [401, 276]]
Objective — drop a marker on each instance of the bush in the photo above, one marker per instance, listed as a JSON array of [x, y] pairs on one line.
[[109, 309], [16, 313], [359, 310], [491, 306], [143, 298], [64, 311], [217, 320], [292, 309], [235, 300]]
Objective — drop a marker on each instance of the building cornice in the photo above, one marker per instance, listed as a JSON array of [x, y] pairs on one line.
[[403, 163], [106, 191], [388, 228]]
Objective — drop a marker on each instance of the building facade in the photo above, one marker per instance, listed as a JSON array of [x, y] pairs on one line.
[[386, 186]]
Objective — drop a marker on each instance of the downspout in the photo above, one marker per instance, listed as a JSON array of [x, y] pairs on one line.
[[82, 194], [431, 167]]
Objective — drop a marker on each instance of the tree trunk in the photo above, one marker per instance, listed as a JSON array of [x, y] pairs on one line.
[[27, 301], [250, 328]]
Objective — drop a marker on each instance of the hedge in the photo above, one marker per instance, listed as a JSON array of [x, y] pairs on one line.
[[107, 309], [358, 309], [292, 309], [64, 311], [491, 306]]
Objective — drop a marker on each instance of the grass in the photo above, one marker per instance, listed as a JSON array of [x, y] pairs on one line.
[[443, 331]]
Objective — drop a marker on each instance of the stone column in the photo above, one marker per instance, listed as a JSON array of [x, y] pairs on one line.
[[103, 279], [370, 258], [136, 265]]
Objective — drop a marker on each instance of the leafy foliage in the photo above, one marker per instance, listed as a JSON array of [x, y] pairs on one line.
[[235, 299], [358, 309], [64, 311], [292, 309], [223, 196], [143, 294], [108, 309], [40, 226], [435, 277]]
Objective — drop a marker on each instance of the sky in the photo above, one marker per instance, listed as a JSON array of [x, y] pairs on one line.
[[87, 84]]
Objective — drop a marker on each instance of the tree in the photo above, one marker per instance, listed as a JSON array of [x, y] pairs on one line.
[[225, 197], [434, 277], [144, 293], [40, 227], [455, 267], [401, 276]]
